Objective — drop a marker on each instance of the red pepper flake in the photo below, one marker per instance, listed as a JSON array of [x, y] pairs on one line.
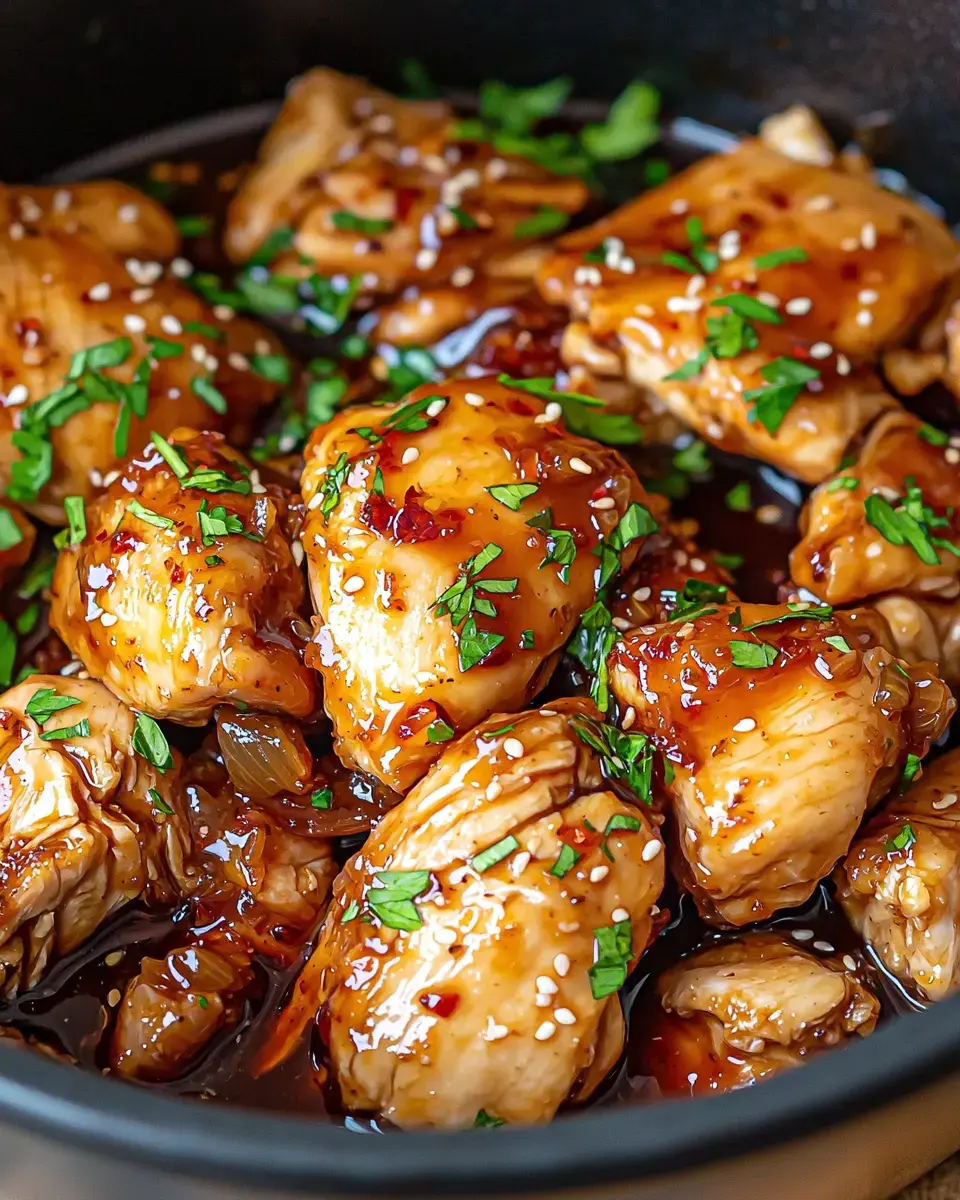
[[443, 1004], [412, 523], [406, 198], [177, 573], [520, 407], [121, 541], [578, 837]]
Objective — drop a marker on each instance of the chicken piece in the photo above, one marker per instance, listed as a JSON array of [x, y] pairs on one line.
[[381, 190], [121, 218], [670, 573], [262, 887], [924, 630], [738, 1012], [781, 278], [783, 726], [155, 357], [488, 980], [90, 820], [17, 539], [889, 522], [183, 592], [900, 883], [452, 544]]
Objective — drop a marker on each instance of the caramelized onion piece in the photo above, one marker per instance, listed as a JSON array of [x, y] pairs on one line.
[[263, 754]]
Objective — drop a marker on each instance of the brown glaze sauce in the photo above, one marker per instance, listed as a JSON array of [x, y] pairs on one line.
[[71, 1010]]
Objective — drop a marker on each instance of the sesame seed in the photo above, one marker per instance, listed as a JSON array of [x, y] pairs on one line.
[[849, 962], [296, 549], [819, 203], [223, 312], [113, 997], [587, 275], [868, 236], [436, 407], [181, 268], [868, 296], [494, 788], [679, 207], [170, 324], [620, 623], [843, 365], [473, 399], [552, 413], [519, 863], [315, 501], [128, 213], [238, 361], [768, 514], [141, 295], [108, 619], [641, 595], [598, 874], [546, 1031], [696, 284], [802, 935], [513, 747], [461, 277], [952, 455], [446, 937], [849, 244], [945, 801], [628, 718], [651, 850], [426, 258], [684, 304], [563, 1016], [61, 201], [745, 725], [133, 323], [561, 964], [697, 565], [410, 455], [864, 317], [18, 394], [211, 362], [100, 291], [824, 947], [769, 298], [582, 468], [543, 1000], [15, 230], [546, 985], [821, 350], [619, 914], [728, 244], [113, 958], [799, 306], [604, 502], [496, 168], [353, 584], [493, 1031], [568, 926]]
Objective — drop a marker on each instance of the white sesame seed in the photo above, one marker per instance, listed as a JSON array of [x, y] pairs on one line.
[[641, 595], [619, 914], [849, 244], [802, 935], [546, 985], [589, 276], [494, 788], [945, 801], [868, 236], [746, 725], [100, 291], [864, 317], [296, 549], [620, 623], [696, 284], [353, 584], [821, 350], [18, 394], [315, 501], [769, 298], [128, 213], [238, 361], [563, 1016], [824, 947], [868, 296], [568, 926], [111, 477], [170, 324], [628, 718], [473, 399], [62, 200], [223, 312], [651, 850], [461, 277], [445, 936], [819, 203], [133, 323], [211, 362], [410, 455], [952, 455], [603, 502], [768, 514], [799, 306], [181, 268], [436, 407], [843, 365], [493, 1031], [141, 295], [496, 168], [561, 964], [543, 1000], [679, 207], [582, 468], [15, 230], [551, 414], [849, 962], [426, 258], [513, 747], [546, 1031], [598, 874], [728, 244], [108, 619], [684, 304], [519, 863]]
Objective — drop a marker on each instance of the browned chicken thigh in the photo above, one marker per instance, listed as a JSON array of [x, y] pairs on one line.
[[736, 1013], [91, 818], [508, 897], [182, 592], [751, 293], [782, 726], [453, 543]]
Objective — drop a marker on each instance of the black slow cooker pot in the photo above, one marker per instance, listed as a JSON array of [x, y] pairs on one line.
[[79, 75]]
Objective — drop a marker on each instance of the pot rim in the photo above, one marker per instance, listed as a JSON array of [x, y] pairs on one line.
[[598, 1146]]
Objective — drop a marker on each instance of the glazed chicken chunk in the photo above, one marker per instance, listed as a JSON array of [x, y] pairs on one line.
[[783, 725], [500, 931], [736, 1013], [453, 543], [900, 883], [98, 351], [924, 630], [91, 819], [262, 884], [751, 293], [381, 190], [179, 589], [890, 522]]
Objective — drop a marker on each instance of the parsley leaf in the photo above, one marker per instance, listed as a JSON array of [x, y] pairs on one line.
[[493, 854], [513, 494], [787, 378], [150, 743], [753, 655], [45, 702], [545, 220]]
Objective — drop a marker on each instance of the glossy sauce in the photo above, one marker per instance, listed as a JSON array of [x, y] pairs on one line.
[[70, 1009]]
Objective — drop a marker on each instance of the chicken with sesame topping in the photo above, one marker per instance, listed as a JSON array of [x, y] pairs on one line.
[[474, 948], [383, 190], [447, 583], [782, 725], [91, 820], [180, 591], [760, 294], [262, 885], [900, 883], [737, 1012], [92, 361], [888, 522]]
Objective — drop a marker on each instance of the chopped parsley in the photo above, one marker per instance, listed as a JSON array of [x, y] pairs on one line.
[[205, 388], [485, 1120], [194, 225], [469, 595], [513, 494], [738, 498], [81, 729], [567, 859], [909, 522], [350, 913], [76, 529], [493, 854], [843, 483], [592, 641], [838, 642], [748, 307], [694, 599], [903, 840], [439, 731], [613, 949], [8, 653], [777, 258], [39, 575], [349, 222], [45, 702], [754, 656], [545, 220], [136, 509], [150, 743], [618, 821], [729, 562], [322, 798], [786, 379], [26, 622], [624, 756], [334, 477], [10, 532], [911, 769], [275, 368], [160, 804], [936, 437], [216, 522], [630, 127], [392, 903], [798, 612], [489, 734]]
